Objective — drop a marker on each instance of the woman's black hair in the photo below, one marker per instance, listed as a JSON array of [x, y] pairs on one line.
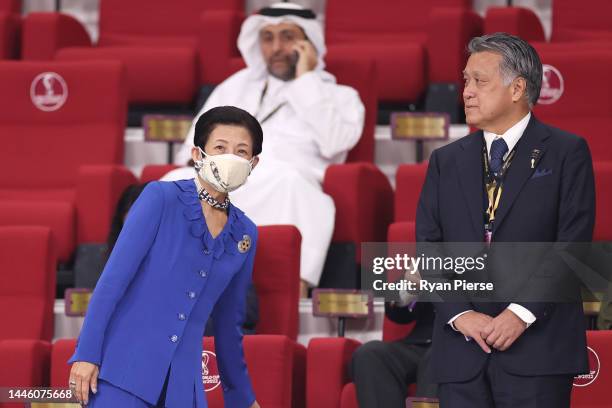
[[227, 115], [128, 197]]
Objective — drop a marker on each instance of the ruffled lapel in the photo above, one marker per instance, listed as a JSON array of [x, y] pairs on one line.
[[232, 233]]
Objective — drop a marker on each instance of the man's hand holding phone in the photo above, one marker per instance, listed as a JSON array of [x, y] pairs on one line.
[[306, 57]]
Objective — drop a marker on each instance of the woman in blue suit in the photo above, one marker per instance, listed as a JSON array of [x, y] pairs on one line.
[[184, 254]]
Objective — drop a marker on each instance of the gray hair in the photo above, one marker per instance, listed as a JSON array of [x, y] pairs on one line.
[[519, 59]]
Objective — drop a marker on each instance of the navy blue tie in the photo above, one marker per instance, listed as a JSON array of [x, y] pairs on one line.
[[498, 149]]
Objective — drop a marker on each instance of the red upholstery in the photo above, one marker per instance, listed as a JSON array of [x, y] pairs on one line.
[[408, 49], [10, 28], [277, 369], [27, 283], [572, 20], [364, 202], [360, 74], [218, 34], [276, 366], [71, 154], [519, 21], [348, 397], [143, 67], [409, 180], [597, 393], [60, 369], [327, 373], [276, 277], [10, 6], [25, 363], [585, 107], [603, 197], [149, 36], [155, 172], [59, 216], [45, 33], [400, 232]]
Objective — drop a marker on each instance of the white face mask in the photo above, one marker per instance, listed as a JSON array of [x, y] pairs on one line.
[[225, 172]]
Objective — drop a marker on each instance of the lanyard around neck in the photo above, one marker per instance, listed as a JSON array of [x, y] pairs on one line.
[[272, 112], [496, 182]]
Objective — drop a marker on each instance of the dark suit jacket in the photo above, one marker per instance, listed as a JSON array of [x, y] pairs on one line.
[[558, 206]]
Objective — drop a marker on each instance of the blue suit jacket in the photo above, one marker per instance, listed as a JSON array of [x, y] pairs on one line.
[[164, 278], [555, 202]]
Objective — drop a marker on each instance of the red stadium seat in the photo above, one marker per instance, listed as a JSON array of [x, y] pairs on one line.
[[361, 192], [327, 361], [569, 102], [277, 368], [62, 128], [148, 37], [25, 363], [10, 28], [519, 21], [572, 21], [409, 180], [276, 276], [27, 283], [57, 215], [143, 64], [413, 42], [593, 390], [603, 197], [62, 350]]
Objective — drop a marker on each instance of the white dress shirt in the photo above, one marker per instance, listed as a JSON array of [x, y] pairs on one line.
[[511, 136]]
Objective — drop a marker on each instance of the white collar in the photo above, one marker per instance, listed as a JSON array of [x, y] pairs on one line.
[[511, 136]]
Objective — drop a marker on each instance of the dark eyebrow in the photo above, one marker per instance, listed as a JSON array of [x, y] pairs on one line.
[[221, 140]]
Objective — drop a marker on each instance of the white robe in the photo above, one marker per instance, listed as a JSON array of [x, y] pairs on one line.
[[318, 123]]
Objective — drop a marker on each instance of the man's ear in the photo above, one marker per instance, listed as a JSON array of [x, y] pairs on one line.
[[519, 89]]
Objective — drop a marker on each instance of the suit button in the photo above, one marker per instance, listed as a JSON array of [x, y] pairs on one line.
[[203, 273], [181, 316], [206, 252], [174, 338], [191, 295]]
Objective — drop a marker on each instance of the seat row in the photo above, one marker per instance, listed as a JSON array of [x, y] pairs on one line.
[[62, 125], [284, 373]]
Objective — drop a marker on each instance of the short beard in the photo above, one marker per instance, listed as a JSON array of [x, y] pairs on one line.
[[287, 74]]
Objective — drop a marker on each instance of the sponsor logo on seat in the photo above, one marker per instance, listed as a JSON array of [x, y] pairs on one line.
[[552, 85], [210, 371], [48, 91], [594, 365]]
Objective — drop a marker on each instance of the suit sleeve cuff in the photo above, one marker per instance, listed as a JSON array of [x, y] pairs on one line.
[[451, 324], [523, 313]]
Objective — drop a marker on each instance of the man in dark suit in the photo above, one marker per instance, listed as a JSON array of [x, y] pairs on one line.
[[382, 371], [521, 354]]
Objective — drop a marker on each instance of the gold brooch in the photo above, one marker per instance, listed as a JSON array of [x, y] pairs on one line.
[[245, 244]]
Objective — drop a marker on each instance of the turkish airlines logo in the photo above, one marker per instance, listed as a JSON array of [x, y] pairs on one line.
[[210, 371], [48, 91], [594, 365], [552, 85]]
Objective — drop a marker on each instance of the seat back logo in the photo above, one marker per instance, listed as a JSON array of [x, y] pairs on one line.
[[48, 91], [210, 371], [552, 85]]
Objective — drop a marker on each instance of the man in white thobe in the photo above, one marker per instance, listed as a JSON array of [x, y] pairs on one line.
[[309, 122]]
